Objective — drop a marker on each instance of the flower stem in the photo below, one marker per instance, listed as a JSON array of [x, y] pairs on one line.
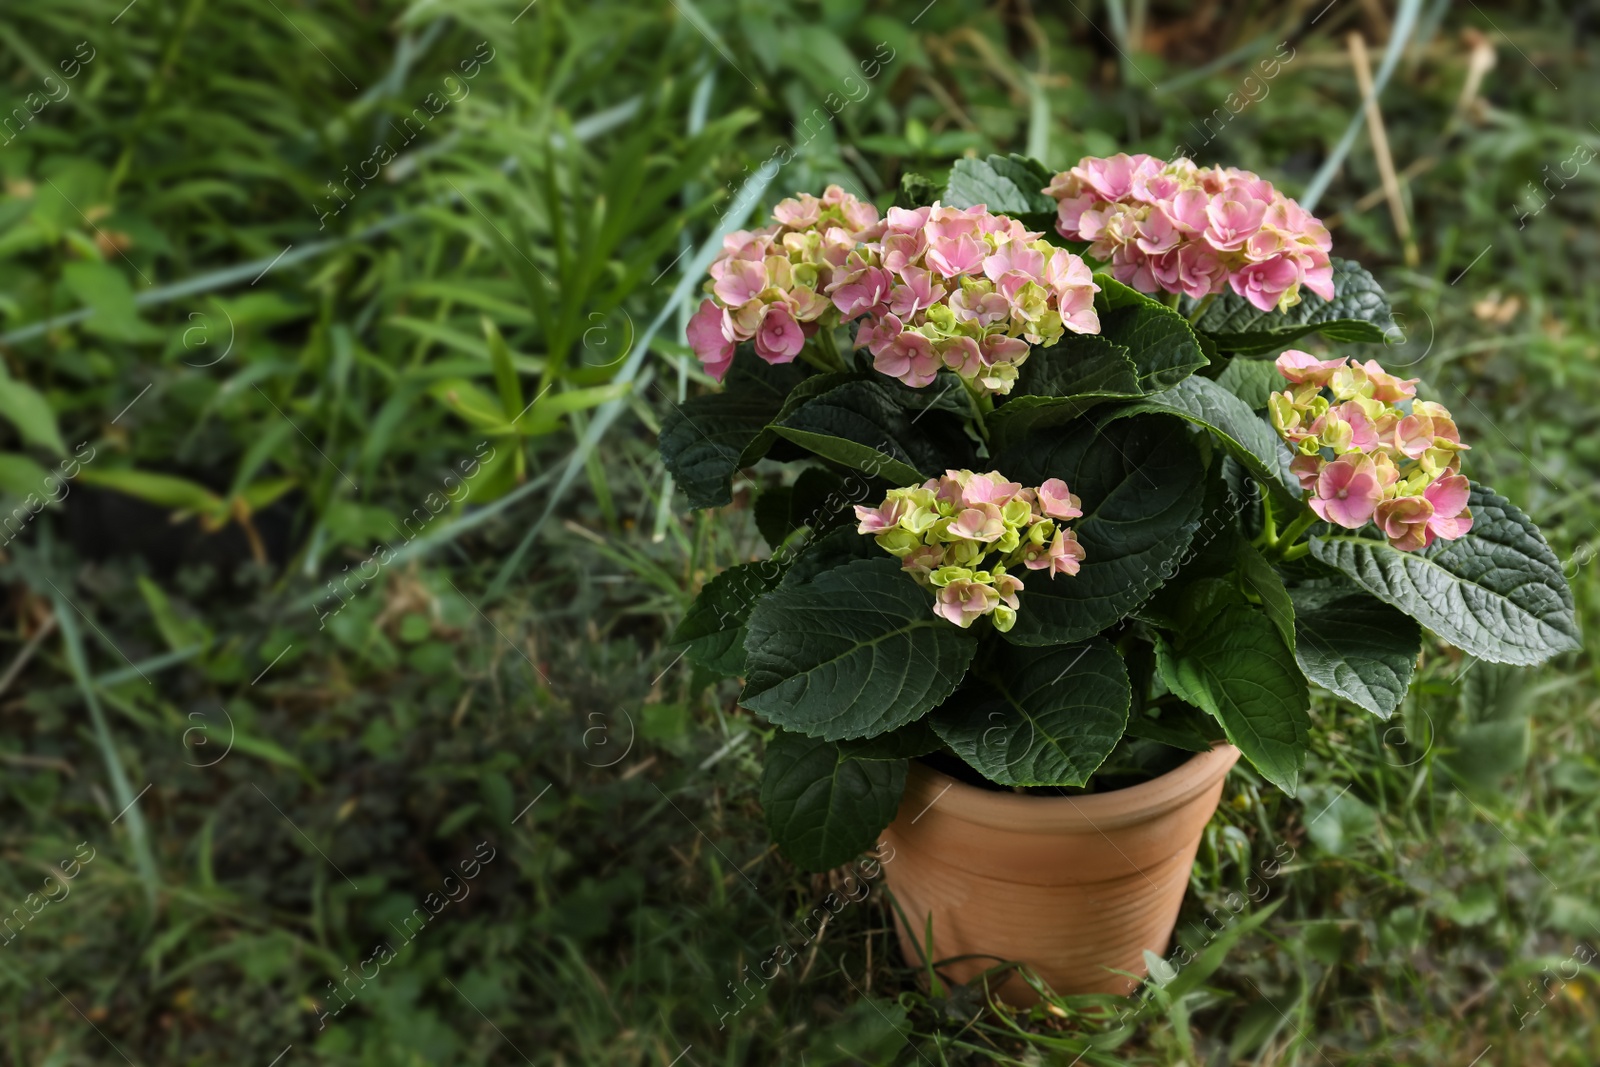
[[982, 403], [829, 348], [1268, 537], [1200, 308], [1285, 542]]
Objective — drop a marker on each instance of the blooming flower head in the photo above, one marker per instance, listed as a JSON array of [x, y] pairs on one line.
[[771, 285], [1368, 451], [963, 533], [960, 289], [1178, 228]]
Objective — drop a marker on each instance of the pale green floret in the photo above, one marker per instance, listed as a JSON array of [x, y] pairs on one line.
[[942, 320], [898, 542], [1016, 513], [964, 553], [945, 575], [919, 519], [1004, 618]]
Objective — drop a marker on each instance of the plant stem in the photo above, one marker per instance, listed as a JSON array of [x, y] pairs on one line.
[[829, 349], [1200, 308], [1268, 537], [1292, 532], [983, 403]]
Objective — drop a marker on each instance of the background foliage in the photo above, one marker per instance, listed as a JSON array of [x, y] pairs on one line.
[[274, 752]]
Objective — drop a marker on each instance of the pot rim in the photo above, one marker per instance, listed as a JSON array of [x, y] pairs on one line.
[[1092, 813]]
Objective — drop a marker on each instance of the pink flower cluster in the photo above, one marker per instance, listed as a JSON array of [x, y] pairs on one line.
[[964, 289], [1179, 228], [946, 529], [770, 285], [1369, 451]]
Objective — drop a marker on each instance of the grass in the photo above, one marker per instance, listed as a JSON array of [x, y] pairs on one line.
[[305, 779]]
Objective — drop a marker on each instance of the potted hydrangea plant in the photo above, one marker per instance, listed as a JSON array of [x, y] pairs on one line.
[[1053, 547]]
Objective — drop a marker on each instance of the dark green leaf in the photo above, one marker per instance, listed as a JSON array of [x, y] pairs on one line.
[[1163, 346], [916, 191], [1059, 383], [1498, 593], [1007, 185], [1241, 431], [714, 626], [1141, 482], [855, 652], [859, 425], [1355, 647], [1178, 726], [819, 500], [908, 742], [771, 510], [1252, 380], [1241, 673], [827, 551], [705, 440], [1040, 716], [824, 807], [1359, 312], [1260, 579]]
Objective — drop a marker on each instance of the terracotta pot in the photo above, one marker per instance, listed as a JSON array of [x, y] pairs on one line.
[[1070, 886]]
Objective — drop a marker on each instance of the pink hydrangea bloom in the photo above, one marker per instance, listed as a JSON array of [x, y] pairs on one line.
[[772, 285], [964, 601], [1178, 228], [1348, 492], [1450, 518], [1056, 502], [1404, 521], [711, 337], [975, 290], [1304, 368], [962, 533], [1065, 553], [1365, 449]]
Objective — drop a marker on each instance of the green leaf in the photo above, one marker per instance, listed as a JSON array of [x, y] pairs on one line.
[[1059, 383], [704, 440], [910, 741], [1006, 185], [1141, 482], [713, 628], [162, 490], [23, 477], [506, 380], [819, 501], [1358, 313], [1241, 673], [855, 652], [1497, 593], [1178, 726], [1040, 716], [1241, 431], [1260, 578], [823, 807], [1252, 380], [107, 292], [176, 631], [860, 425], [1162, 343], [828, 551], [1338, 822], [1355, 647], [28, 410]]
